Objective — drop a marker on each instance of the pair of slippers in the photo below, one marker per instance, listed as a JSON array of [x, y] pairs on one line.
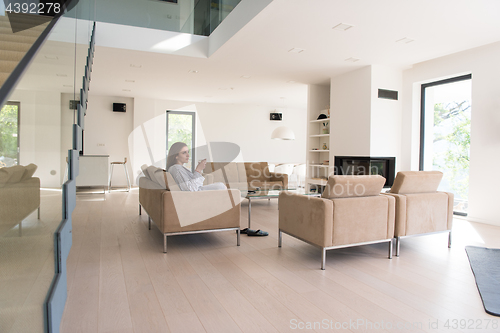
[[250, 232]]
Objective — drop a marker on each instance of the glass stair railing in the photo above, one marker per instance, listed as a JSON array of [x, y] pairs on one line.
[[197, 17]]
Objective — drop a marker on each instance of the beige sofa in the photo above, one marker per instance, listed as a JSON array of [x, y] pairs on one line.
[[245, 175], [177, 212], [350, 212], [19, 195], [420, 208]]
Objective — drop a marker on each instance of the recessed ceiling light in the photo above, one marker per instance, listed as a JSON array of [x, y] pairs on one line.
[[291, 81], [342, 27], [131, 81], [126, 90], [296, 50], [351, 59], [245, 76], [404, 40], [192, 71], [51, 57], [135, 66], [68, 85], [225, 88], [62, 75]]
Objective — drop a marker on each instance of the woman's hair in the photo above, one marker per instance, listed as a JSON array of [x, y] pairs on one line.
[[173, 152]]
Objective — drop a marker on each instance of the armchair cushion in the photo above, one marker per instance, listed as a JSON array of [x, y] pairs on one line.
[[416, 182], [353, 186]]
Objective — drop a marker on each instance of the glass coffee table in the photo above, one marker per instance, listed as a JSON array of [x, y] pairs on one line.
[[271, 194]]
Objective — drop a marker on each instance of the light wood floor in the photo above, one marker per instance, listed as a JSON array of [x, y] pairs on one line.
[[120, 281]]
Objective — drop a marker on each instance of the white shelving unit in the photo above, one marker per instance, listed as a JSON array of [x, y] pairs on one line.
[[317, 155]]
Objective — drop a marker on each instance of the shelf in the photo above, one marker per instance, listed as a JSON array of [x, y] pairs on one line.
[[319, 135], [319, 151], [320, 120]]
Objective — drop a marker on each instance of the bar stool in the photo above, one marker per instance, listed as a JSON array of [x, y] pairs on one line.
[[112, 164]]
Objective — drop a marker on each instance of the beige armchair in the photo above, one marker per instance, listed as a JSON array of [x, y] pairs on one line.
[[420, 208], [177, 212], [351, 212]]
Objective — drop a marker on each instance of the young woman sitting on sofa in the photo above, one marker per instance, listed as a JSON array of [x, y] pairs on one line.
[[178, 155]]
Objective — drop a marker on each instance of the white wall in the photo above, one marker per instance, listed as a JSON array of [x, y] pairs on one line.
[[248, 126], [350, 103], [40, 133], [483, 63], [385, 129], [107, 132]]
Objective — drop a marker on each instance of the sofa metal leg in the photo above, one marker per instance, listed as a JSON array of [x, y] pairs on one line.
[[164, 243], [397, 246], [140, 209], [238, 237], [280, 239], [449, 240], [38, 212], [149, 222], [323, 259], [390, 249]]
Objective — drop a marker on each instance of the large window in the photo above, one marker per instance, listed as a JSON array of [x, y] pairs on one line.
[[9, 134], [181, 128], [445, 135]]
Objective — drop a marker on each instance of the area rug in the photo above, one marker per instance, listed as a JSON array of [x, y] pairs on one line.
[[485, 264]]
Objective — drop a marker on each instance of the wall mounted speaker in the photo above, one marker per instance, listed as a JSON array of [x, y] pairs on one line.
[[119, 107], [73, 104], [275, 116]]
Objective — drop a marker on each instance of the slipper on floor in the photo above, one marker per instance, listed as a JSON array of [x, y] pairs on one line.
[[245, 231], [257, 233]]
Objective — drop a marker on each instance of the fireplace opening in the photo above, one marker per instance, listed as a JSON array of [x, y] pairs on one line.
[[366, 165]]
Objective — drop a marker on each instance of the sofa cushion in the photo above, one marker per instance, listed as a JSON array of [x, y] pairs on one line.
[[416, 182], [145, 171], [353, 186], [169, 182], [29, 171], [16, 174], [5, 174]]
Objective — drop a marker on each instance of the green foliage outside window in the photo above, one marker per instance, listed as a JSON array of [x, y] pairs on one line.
[[454, 162], [8, 132]]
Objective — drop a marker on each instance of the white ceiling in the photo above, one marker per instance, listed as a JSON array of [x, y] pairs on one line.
[[260, 50]]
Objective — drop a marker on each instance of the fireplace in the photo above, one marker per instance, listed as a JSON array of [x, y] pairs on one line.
[[366, 165]]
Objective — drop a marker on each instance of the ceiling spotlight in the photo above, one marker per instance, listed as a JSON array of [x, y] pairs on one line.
[[245, 76], [404, 40], [291, 81], [62, 75], [126, 90], [131, 81], [135, 66], [342, 27], [296, 50], [68, 85], [351, 59], [192, 71]]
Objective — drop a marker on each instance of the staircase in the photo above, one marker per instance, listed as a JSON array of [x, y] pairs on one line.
[[13, 46]]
